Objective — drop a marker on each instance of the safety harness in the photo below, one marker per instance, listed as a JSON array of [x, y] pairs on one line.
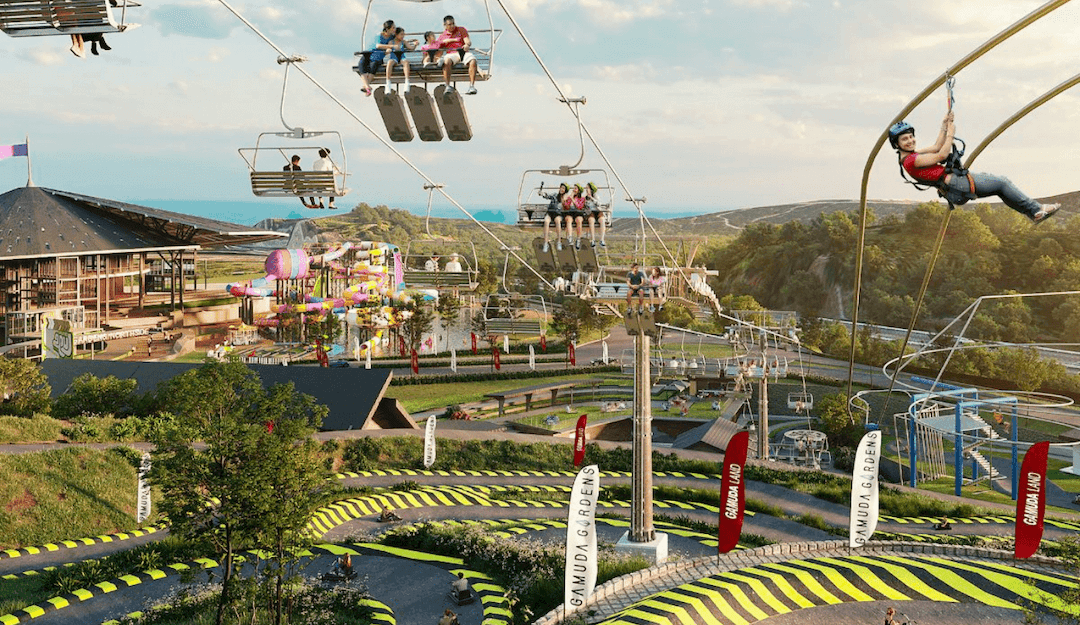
[[953, 164]]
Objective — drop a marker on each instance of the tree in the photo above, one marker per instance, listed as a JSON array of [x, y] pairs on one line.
[[449, 309], [24, 390], [575, 317], [419, 322], [224, 407]]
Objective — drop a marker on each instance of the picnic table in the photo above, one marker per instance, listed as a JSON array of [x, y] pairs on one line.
[[528, 392]]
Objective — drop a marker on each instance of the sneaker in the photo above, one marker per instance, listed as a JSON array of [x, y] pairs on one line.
[[332, 206], [558, 246], [428, 64], [652, 308], [1045, 211], [471, 90], [577, 244], [450, 89], [368, 91], [546, 247], [592, 243], [603, 244], [77, 51]]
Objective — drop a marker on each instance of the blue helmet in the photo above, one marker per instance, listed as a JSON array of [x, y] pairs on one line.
[[897, 129]]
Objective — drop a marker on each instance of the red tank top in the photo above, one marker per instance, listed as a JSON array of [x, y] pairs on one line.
[[931, 173]]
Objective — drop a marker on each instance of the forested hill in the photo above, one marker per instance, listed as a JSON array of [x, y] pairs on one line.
[[732, 222]]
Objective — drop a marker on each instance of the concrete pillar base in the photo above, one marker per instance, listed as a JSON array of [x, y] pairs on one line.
[[656, 549]]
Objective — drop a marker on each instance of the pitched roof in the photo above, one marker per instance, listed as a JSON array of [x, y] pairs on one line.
[[38, 222], [353, 396]]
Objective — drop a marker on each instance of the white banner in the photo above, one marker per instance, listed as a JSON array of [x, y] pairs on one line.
[[453, 360], [581, 538], [532, 358], [143, 503], [604, 352], [864, 489], [429, 443], [367, 358], [506, 344], [57, 339]]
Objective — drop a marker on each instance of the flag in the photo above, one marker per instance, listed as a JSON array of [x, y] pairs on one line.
[[414, 361], [732, 493], [401, 345], [429, 442], [1031, 500], [580, 575], [13, 150], [543, 343], [579, 440], [473, 336], [864, 490], [453, 360], [532, 358], [573, 354], [506, 343], [495, 354]]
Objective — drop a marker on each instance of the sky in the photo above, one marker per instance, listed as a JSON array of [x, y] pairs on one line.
[[699, 105]]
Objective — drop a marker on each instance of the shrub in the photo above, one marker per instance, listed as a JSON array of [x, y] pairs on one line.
[[91, 396], [24, 390]]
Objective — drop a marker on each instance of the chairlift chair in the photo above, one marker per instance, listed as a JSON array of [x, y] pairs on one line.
[[417, 276], [31, 18], [485, 58], [269, 179], [513, 315], [532, 208], [800, 401]]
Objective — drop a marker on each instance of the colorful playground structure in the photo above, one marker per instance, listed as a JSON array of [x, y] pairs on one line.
[[360, 283]]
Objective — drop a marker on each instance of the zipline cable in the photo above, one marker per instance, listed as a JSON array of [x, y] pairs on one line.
[[385, 143]]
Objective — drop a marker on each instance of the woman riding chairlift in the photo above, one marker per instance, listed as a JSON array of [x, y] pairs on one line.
[[939, 166]]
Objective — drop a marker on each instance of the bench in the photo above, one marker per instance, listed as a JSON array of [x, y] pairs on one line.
[[514, 327], [424, 278], [532, 215], [528, 392], [433, 73], [26, 18], [295, 184]]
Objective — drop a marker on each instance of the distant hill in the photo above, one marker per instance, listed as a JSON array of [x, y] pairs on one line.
[[729, 223]]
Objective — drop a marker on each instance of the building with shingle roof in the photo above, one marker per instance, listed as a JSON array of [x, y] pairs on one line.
[[83, 259]]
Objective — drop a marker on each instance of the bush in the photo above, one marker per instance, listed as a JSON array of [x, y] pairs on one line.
[[91, 396]]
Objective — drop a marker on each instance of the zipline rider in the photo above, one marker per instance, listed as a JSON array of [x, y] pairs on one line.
[[939, 166]]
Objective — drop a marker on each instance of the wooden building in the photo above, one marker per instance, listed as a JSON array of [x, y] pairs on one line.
[[90, 260]]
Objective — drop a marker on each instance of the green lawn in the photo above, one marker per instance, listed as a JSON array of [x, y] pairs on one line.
[[421, 397], [29, 430], [65, 494]]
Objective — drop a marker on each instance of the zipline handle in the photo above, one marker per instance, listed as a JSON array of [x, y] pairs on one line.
[[950, 82]]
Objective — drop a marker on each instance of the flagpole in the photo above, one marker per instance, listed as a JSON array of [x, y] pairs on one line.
[[29, 168]]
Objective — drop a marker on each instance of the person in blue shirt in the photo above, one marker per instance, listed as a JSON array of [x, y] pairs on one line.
[[371, 62]]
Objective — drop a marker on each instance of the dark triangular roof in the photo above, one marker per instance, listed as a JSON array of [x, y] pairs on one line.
[[38, 222]]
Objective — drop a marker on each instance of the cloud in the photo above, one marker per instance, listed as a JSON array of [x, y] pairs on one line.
[[194, 20], [779, 5]]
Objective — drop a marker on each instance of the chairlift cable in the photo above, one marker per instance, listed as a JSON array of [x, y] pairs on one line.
[[378, 137]]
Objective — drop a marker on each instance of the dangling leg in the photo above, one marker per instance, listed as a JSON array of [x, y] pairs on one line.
[[592, 229], [547, 231], [1000, 186]]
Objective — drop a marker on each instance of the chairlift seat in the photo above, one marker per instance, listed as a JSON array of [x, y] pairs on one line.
[[295, 184], [514, 327], [29, 18], [440, 279]]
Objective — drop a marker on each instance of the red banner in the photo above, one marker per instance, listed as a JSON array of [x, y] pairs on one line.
[[1031, 500], [495, 354], [543, 343], [401, 345], [573, 354], [415, 362], [473, 335], [579, 441], [732, 493]]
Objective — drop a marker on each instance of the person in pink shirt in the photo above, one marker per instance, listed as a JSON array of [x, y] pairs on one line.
[[455, 42], [431, 50]]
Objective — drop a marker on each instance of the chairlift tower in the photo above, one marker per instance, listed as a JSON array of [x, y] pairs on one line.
[[642, 538]]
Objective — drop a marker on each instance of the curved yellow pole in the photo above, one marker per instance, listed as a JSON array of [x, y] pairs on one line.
[[1022, 113], [990, 44]]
